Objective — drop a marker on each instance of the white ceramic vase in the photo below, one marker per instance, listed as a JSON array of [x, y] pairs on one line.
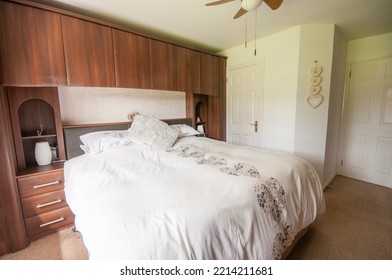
[[43, 153]]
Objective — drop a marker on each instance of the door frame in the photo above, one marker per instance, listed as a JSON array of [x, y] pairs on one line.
[[257, 62]]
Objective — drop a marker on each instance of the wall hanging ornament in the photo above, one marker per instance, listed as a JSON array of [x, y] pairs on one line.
[[314, 99]]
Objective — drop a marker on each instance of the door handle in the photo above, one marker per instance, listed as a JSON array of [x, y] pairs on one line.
[[256, 125]]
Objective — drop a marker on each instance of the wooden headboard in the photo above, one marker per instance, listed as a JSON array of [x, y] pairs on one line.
[[72, 133]]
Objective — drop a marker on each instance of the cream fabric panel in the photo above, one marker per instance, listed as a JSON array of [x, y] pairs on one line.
[[81, 105]]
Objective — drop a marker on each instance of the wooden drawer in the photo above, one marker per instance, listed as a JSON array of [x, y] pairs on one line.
[[41, 225], [40, 183], [43, 203]]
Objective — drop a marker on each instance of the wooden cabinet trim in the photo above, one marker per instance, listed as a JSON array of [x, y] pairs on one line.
[[13, 235]]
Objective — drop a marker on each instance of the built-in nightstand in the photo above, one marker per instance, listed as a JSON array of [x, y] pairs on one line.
[[45, 209]]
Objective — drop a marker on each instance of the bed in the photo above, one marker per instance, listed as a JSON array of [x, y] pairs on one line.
[[156, 190]]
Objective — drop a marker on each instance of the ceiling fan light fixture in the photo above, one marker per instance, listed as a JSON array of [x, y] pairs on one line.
[[250, 5]]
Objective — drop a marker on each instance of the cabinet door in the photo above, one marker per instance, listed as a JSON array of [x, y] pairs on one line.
[[131, 59], [171, 66], [88, 49], [217, 106], [196, 72], [185, 68], [31, 46], [163, 65], [209, 74]]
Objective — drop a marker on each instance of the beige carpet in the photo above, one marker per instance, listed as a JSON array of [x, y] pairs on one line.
[[357, 226], [63, 245]]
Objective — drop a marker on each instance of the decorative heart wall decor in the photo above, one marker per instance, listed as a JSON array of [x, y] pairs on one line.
[[315, 99], [316, 71], [314, 90], [315, 81]]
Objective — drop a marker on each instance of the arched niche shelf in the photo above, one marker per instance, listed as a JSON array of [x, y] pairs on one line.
[[37, 124], [201, 111], [35, 116]]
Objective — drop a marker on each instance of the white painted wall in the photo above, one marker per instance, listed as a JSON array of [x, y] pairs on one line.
[[280, 90], [311, 125], [332, 158], [369, 48], [290, 124]]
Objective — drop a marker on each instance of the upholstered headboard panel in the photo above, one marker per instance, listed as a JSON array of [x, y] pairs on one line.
[[72, 133]]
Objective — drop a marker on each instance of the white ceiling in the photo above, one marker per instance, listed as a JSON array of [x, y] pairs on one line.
[[213, 28]]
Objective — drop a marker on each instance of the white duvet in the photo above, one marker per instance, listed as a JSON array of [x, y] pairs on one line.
[[202, 199]]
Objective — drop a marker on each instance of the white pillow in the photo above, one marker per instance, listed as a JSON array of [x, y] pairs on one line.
[[152, 131], [185, 130], [99, 141]]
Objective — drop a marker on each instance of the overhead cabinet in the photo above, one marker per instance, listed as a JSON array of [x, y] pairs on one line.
[[31, 46], [209, 74], [131, 60], [41, 48], [185, 67], [88, 50], [172, 66]]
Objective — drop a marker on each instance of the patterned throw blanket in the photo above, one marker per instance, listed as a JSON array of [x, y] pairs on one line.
[[270, 194]]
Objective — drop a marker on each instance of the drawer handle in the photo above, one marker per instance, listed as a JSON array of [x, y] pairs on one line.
[[49, 203], [52, 222], [46, 185]]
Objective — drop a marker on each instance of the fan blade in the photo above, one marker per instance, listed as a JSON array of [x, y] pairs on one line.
[[219, 2], [273, 4], [240, 12]]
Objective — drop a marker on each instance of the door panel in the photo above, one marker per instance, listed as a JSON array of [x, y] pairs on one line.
[[387, 107], [359, 146], [368, 130], [245, 96], [384, 156]]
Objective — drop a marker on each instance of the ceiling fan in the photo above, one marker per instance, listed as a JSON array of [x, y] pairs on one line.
[[249, 5]]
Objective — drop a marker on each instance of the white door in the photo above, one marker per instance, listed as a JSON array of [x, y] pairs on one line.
[[244, 104], [367, 153]]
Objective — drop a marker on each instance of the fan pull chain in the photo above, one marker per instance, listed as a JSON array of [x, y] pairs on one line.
[[255, 34], [246, 30]]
